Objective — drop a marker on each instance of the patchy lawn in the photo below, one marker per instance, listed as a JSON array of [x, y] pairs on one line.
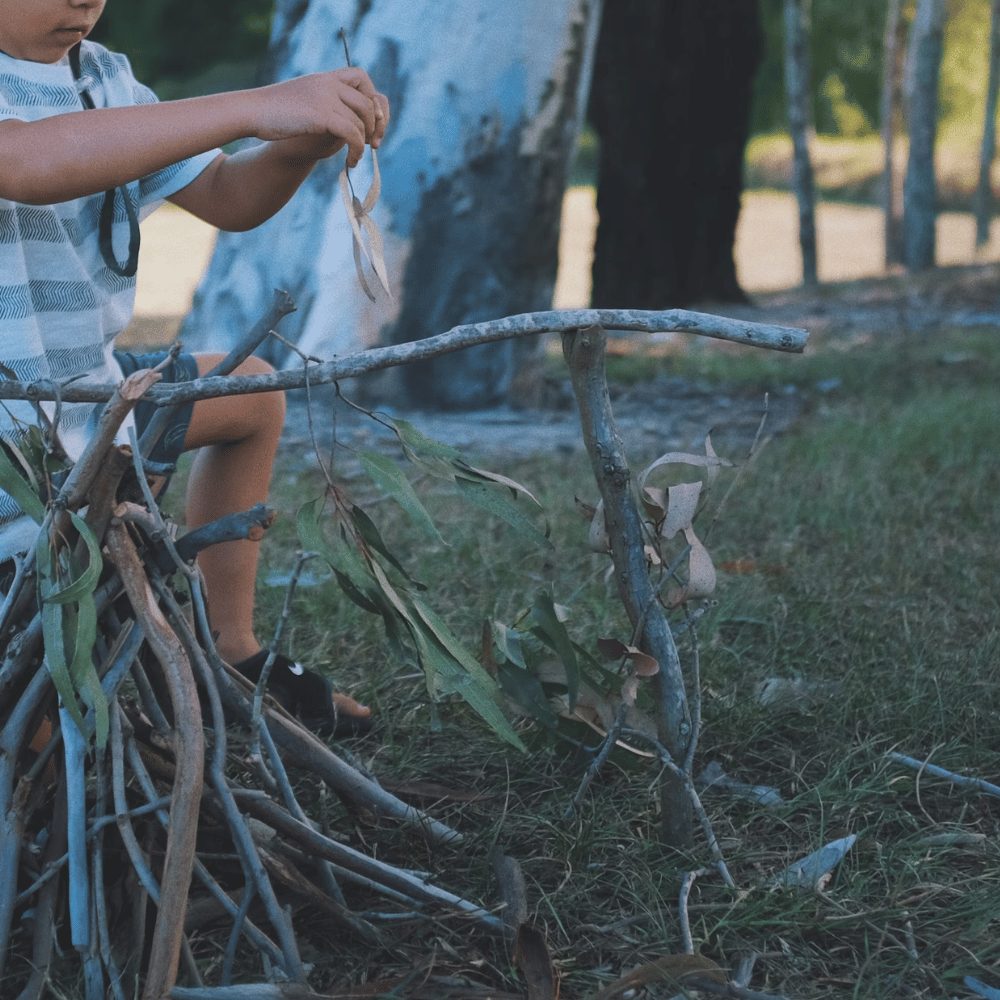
[[858, 558]]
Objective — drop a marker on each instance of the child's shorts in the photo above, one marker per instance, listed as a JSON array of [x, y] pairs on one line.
[[183, 368]]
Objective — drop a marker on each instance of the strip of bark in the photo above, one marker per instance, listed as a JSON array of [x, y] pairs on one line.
[[189, 749]]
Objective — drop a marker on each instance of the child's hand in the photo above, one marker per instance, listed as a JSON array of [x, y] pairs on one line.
[[321, 112]]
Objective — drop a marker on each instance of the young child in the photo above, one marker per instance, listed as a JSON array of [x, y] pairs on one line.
[[85, 150]]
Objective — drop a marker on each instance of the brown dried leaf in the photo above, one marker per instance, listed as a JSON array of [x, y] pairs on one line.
[[654, 500], [376, 189], [531, 955], [513, 892], [682, 505], [673, 969], [597, 537], [377, 255], [643, 664], [682, 458], [357, 216], [701, 572], [713, 471]]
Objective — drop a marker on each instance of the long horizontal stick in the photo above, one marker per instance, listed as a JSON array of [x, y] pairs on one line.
[[775, 338]]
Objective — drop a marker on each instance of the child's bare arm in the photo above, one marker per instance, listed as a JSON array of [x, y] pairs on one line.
[[241, 191], [85, 152]]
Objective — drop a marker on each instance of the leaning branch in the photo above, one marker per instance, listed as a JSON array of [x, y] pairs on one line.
[[566, 321]]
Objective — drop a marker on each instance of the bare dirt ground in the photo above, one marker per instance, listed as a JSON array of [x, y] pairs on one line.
[[669, 412]]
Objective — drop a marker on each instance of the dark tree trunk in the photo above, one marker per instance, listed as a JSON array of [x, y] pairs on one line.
[[671, 105]]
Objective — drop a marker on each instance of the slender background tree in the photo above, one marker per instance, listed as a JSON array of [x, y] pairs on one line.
[[920, 189], [798, 85], [889, 119], [987, 152]]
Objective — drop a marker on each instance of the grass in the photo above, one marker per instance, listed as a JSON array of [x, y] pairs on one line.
[[865, 543]]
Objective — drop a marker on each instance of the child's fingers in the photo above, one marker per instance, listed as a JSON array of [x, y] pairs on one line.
[[381, 118], [349, 128], [364, 107]]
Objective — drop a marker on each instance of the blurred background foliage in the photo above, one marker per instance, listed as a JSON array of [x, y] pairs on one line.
[[181, 48], [846, 50]]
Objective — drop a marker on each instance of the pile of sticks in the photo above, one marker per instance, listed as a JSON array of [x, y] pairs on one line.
[[165, 826], [125, 832]]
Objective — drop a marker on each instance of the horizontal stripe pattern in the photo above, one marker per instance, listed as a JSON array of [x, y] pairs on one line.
[[60, 304]]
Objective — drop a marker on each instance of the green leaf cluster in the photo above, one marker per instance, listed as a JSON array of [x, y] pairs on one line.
[[67, 577]]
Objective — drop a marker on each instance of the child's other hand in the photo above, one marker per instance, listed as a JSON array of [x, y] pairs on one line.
[[321, 112]]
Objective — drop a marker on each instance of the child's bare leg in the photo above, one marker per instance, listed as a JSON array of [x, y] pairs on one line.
[[237, 438]]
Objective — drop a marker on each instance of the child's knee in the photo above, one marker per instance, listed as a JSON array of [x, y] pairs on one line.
[[271, 403]]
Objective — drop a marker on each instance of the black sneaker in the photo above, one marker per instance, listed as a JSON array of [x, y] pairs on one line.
[[306, 695]]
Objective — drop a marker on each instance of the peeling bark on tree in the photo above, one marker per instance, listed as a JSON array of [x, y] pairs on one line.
[[671, 104], [486, 106]]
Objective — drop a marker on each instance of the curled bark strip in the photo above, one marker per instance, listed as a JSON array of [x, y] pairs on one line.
[[584, 355], [776, 338], [190, 755]]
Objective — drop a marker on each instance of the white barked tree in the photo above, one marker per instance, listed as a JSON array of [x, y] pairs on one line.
[[487, 102]]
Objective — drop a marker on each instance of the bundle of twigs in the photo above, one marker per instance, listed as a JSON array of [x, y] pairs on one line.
[[128, 815]]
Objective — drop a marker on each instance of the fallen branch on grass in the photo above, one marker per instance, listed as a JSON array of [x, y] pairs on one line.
[[986, 787]]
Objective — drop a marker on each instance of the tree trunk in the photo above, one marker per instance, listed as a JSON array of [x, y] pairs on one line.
[[889, 113], [984, 193], [797, 88], [919, 189], [671, 104], [487, 102]]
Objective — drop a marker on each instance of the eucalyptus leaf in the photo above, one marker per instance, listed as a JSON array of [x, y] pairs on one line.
[[86, 581], [388, 476], [494, 502], [526, 690], [436, 457], [18, 487], [553, 633], [451, 679], [55, 661], [369, 533], [508, 641]]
